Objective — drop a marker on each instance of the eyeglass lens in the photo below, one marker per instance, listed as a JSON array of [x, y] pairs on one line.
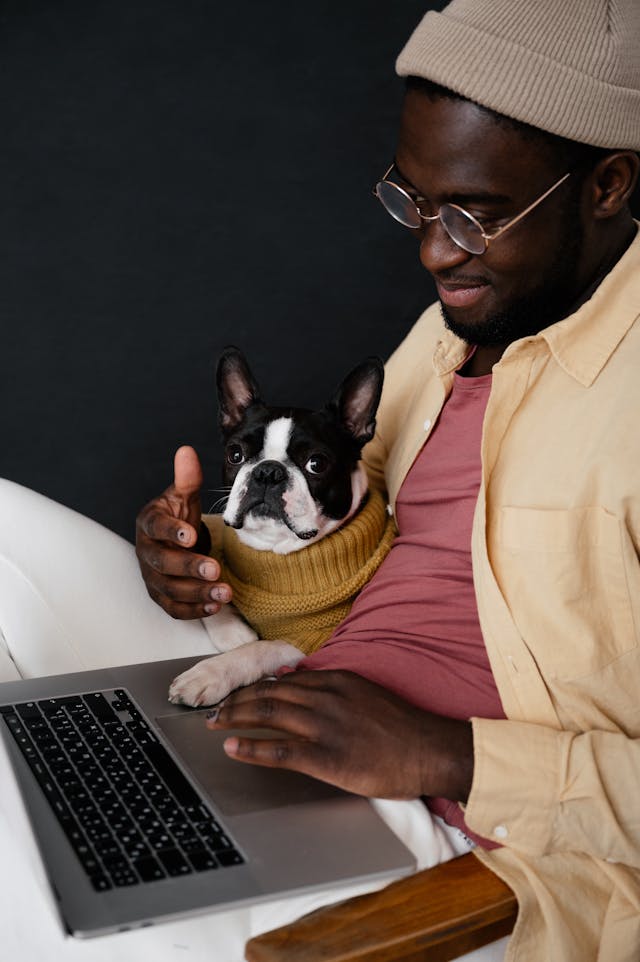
[[462, 229], [398, 204], [459, 225]]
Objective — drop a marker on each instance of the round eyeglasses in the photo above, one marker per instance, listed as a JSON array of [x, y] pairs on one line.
[[461, 226]]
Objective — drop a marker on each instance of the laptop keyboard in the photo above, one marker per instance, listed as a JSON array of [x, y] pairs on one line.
[[126, 808]]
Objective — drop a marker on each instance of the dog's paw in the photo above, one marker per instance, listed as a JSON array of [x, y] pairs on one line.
[[204, 684], [213, 679]]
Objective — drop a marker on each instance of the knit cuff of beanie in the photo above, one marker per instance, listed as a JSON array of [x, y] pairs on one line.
[[571, 68]]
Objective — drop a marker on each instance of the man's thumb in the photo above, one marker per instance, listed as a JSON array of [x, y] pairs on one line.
[[187, 471]]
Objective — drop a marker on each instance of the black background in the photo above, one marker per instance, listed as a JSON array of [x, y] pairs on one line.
[[177, 175]]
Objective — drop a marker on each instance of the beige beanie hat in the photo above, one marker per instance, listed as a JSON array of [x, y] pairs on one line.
[[570, 67]]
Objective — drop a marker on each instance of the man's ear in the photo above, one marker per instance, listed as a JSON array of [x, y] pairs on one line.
[[614, 179], [237, 389], [356, 400]]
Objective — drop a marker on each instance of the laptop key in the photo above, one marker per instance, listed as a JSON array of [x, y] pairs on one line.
[[160, 841], [100, 706], [28, 710], [127, 877], [107, 848], [216, 840], [100, 882], [202, 860], [35, 721], [174, 862], [230, 857], [149, 869], [51, 706], [190, 845]]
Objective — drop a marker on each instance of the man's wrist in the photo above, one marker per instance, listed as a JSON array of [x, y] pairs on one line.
[[450, 763]]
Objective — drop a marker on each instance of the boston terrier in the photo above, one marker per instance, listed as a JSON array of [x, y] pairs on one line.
[[295, 477]]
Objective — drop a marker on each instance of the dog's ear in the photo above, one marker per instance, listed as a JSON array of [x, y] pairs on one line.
[[237, 389], [356, 400]]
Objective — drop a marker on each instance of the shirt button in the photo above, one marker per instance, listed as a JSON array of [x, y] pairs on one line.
[[501, 831], [427, 424], [390, 510]]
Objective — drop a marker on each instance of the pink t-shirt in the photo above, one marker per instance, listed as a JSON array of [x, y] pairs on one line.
[[414, 628]]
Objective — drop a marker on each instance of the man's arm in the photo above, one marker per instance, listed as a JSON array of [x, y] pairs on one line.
[[352, 733]]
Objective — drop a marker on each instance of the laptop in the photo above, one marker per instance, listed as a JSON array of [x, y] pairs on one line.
[[139, 816]]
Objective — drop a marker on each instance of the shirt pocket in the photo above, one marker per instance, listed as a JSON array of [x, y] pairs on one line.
[[565, 581]]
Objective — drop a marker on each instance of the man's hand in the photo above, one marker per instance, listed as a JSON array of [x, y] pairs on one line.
[[352, 733], [179, 579]]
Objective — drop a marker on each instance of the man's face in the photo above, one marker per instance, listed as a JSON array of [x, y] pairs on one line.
[[452, 151]]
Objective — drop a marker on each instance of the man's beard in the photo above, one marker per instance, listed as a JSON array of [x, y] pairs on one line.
[[536, 310]]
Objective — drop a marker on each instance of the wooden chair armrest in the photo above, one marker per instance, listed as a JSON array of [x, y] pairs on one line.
[[432, 916]]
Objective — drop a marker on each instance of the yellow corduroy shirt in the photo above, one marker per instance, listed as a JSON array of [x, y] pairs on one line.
[[555, 547], [301, 597]]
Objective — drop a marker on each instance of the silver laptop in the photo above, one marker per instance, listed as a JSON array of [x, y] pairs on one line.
[[139, 816]]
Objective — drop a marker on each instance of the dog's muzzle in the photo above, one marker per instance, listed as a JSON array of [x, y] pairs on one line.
[[264, 497]]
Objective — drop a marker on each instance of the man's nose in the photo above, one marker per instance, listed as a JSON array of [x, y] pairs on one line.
[[438, 252]]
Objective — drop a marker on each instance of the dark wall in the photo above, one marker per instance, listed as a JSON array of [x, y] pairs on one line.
[[177, 175]]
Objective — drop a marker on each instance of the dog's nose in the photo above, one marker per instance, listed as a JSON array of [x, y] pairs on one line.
[[269, 473]]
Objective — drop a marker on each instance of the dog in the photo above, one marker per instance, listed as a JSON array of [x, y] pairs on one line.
[[295, 478]]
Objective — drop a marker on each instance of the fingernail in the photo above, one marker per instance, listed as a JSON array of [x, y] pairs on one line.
[[208, 570], [231, 745], [212, 609], [183, 534], [220, 594]]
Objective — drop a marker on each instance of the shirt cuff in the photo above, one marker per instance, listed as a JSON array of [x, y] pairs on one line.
[[515, 785]]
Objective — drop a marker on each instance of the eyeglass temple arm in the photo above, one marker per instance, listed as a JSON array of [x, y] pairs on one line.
[[515, 220], [374, 190]]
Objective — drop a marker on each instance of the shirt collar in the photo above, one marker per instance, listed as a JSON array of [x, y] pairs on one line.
[[450, 354], [583, 342]]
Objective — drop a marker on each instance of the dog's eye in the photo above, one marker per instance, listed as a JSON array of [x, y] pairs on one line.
[[317, 464], [235, 454]]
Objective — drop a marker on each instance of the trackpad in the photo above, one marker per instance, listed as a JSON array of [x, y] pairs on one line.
[[235, 787]]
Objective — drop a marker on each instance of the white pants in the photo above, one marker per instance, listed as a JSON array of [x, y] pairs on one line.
[[72, 598]]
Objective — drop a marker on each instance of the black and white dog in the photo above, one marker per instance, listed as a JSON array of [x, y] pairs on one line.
[[295, 477]]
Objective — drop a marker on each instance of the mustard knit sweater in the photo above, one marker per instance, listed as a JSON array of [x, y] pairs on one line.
[[302, 597]]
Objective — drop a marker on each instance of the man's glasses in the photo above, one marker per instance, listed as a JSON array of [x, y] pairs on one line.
[[461, 226]]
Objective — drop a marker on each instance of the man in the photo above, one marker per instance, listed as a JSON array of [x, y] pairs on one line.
[[511, 595], [516, 159]]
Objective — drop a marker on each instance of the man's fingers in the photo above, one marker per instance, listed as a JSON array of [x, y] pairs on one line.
[[176, 563], [303, 688], [159, 525], [301, 756], [183, 611], [190, 590], [265, 712], [187, 472]]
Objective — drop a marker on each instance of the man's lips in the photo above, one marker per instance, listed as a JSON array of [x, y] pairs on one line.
[[460, 294]]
